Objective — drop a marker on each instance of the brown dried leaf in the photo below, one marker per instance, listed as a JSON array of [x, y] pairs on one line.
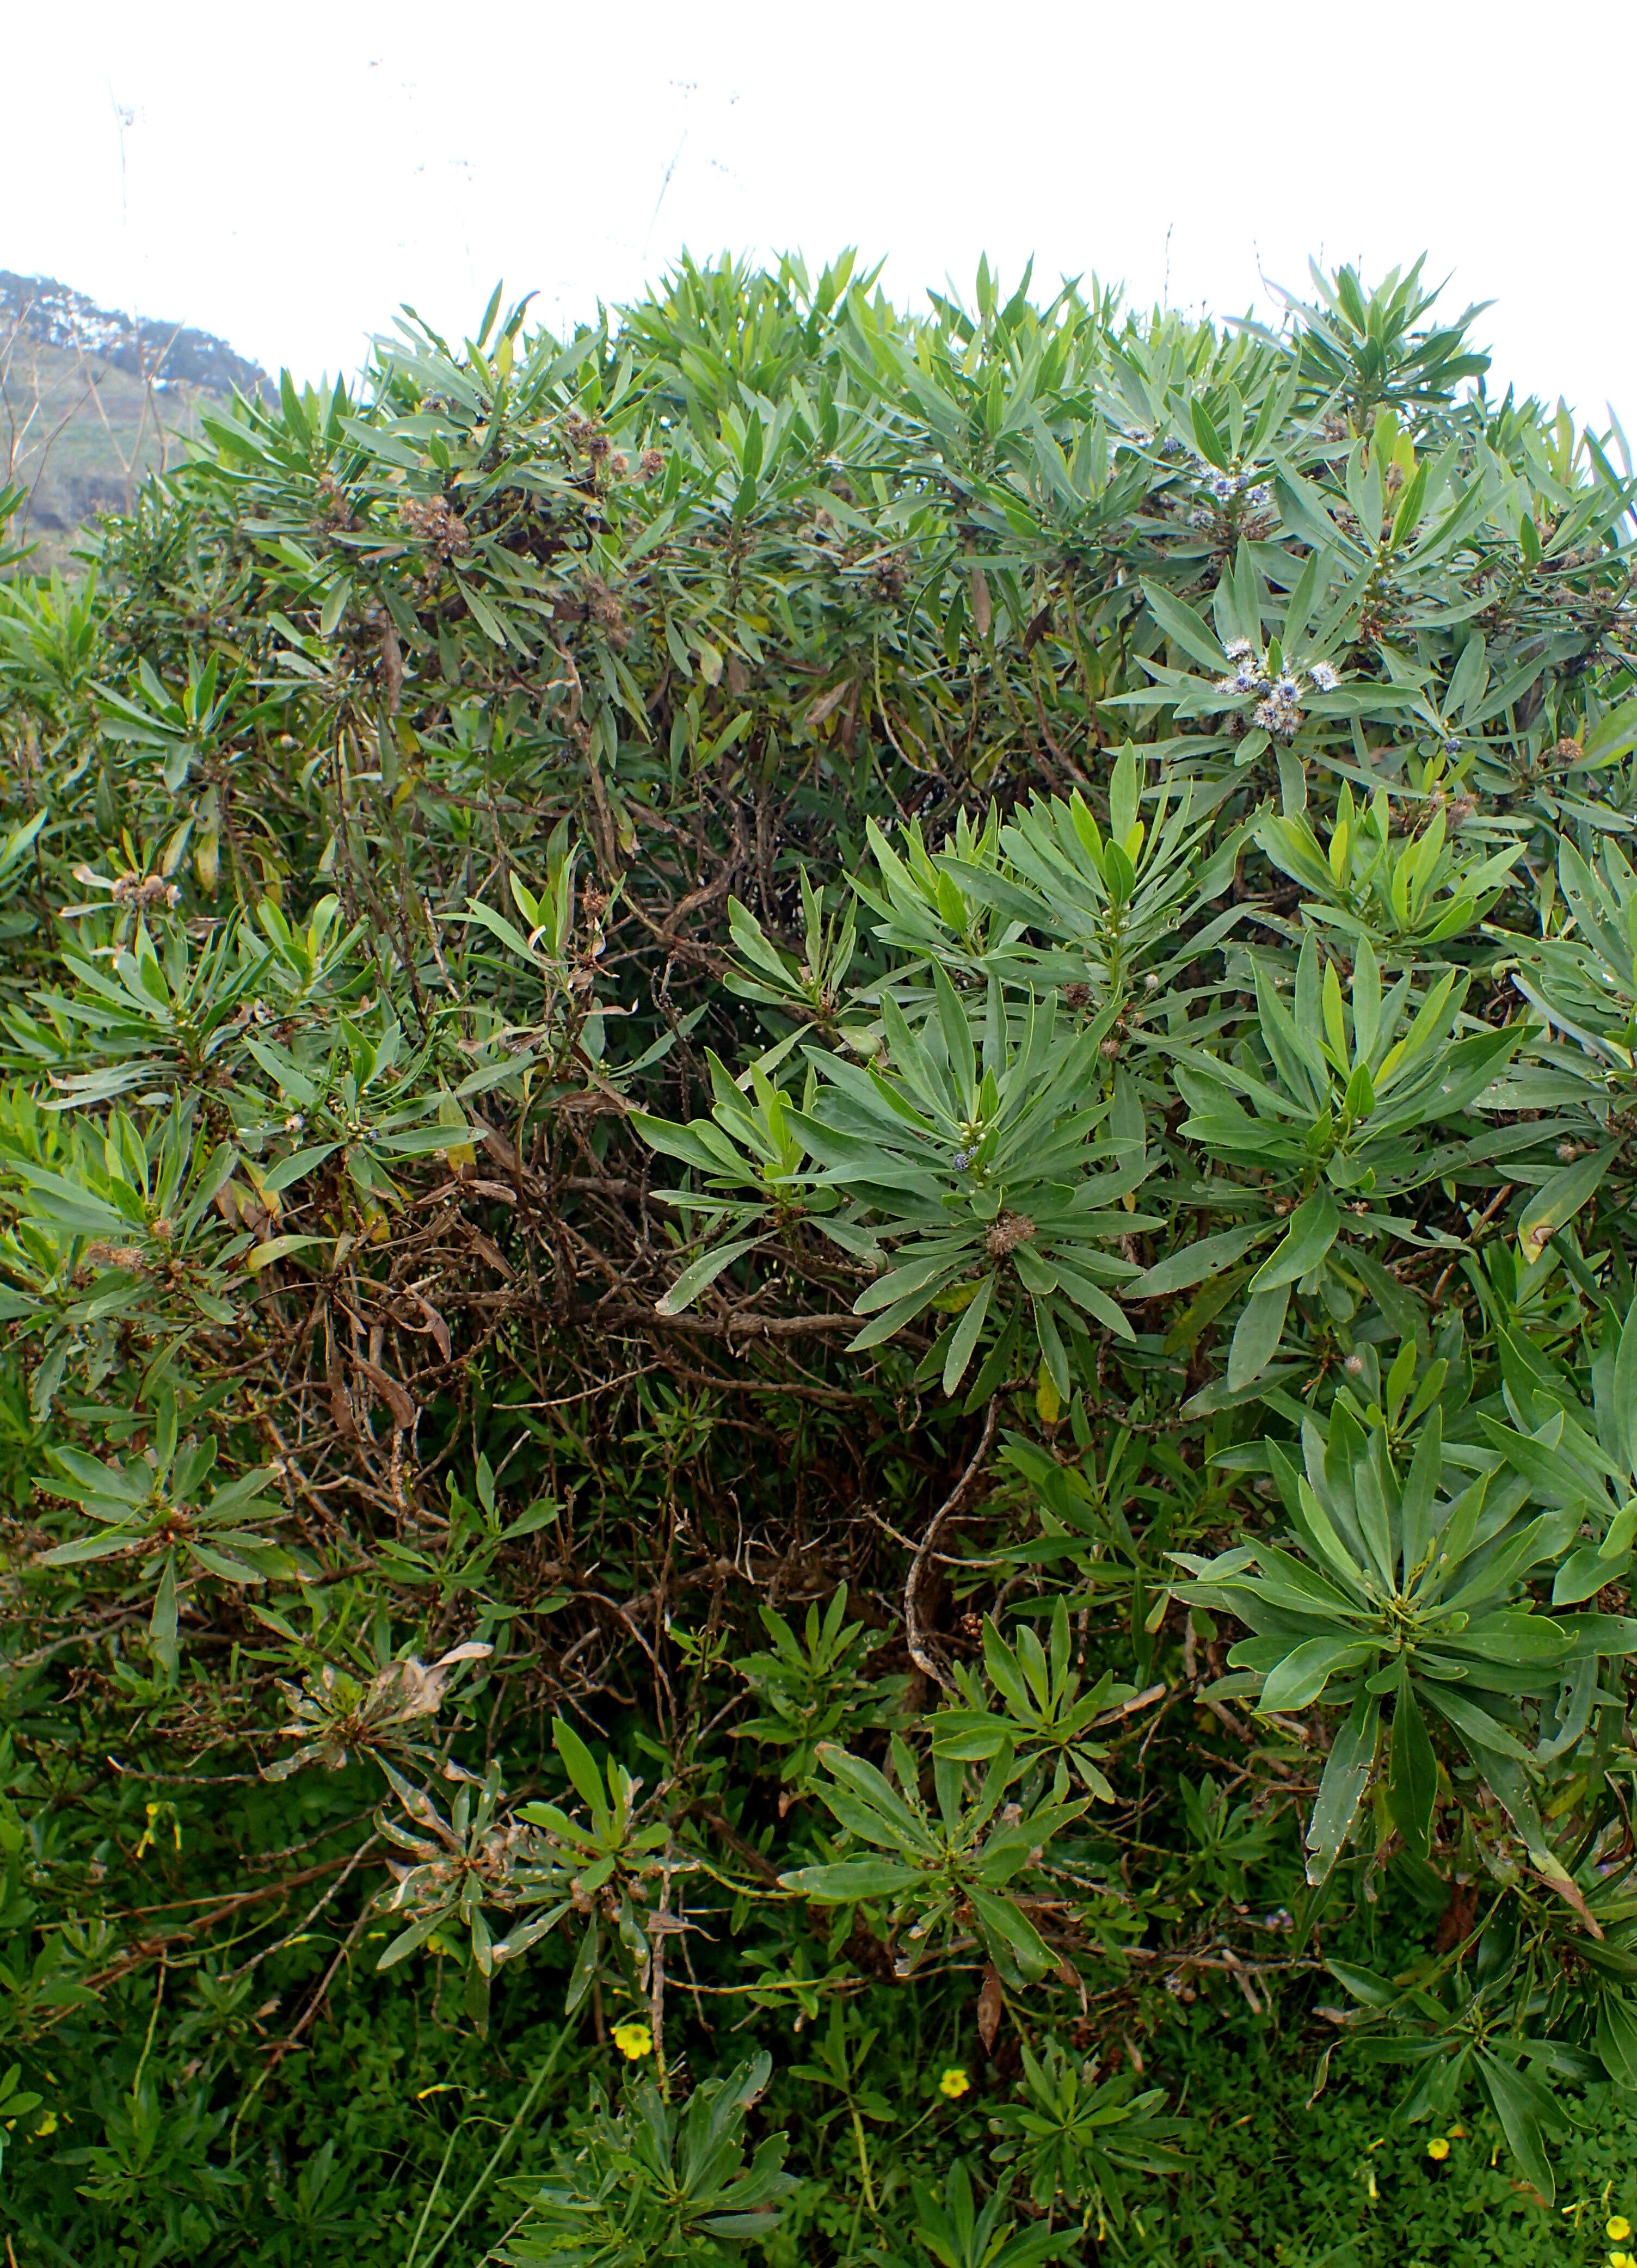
[[336, 1379], [495, 1142], [435, 1322], [470, 1649], [403, 1409], [405, 1690], [829, 703], [492, 1252], [991, 2008], [391, 669]]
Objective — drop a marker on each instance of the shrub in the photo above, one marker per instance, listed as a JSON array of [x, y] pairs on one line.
[[818, 1178]]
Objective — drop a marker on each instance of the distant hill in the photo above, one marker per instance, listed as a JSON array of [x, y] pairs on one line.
[[92, 401]]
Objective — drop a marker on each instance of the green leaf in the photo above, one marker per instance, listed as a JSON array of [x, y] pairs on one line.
[[1212, 446], [1304, 1673], [1179, 621], [1191, 1264], [849, 1880], [1625, 1398], [162, 1622], [1517, 2098], [411, 1940], [964, 1336], [1418, 1508], [701, 1273], [278, 1248], [1312, 1231], [1376, 1990], [1560, 1198], [1412, 1774], [1341, 1790], [1257, 1336], [1617, 2037], [581, 1767], [1007, 1927]]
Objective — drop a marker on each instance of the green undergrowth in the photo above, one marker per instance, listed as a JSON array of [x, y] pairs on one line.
[[373, 2139]]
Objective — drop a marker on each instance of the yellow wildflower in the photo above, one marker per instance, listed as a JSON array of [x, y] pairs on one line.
[[1618, 2228], [633, 2040], [1621, 2260], [1438, 2148], [954, 2082]]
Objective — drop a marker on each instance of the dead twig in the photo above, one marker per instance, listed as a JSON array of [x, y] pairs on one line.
[[929, 1663]]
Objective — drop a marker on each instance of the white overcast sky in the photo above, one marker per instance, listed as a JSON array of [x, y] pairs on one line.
[[287, 175]]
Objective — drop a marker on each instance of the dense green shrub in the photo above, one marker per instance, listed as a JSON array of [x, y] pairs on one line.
[[822, 1388]]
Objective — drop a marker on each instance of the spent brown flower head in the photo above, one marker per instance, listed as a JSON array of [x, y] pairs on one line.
[[1008, 1232]]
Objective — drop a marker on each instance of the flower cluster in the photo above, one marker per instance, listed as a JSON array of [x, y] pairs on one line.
[[1222, 489], [1278, 704], [1257, 494]]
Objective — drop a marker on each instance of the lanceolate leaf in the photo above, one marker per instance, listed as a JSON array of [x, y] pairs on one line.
[[1412, 1775], [1560, 1199], [1341, 1789], [1257, 1335], [1312, 1231]]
